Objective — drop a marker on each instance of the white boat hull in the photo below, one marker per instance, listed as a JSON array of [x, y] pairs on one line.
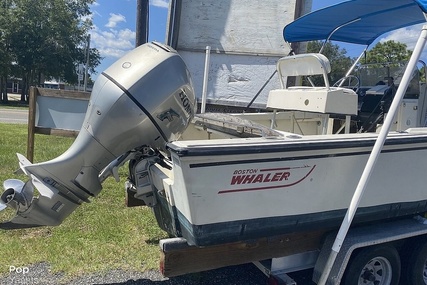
[[229, 190]]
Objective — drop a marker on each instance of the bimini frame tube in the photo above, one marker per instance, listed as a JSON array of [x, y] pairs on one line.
[[353, 66], [205, 79], [374, 156], [336, 29]]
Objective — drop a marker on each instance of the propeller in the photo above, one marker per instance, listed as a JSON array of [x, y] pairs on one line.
[[9, 186], [15, 192]]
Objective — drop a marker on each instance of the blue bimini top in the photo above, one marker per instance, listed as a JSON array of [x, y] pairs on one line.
[[356, 21]]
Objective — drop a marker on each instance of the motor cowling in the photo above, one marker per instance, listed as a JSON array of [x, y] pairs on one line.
[[147, 95]]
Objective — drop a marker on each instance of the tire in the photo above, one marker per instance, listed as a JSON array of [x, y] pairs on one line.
[[416, 271], [376, 265]]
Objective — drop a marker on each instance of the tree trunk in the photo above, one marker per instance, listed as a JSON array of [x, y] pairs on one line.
[[3, 89], [24, 87]]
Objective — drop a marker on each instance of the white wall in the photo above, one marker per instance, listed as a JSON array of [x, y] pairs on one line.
[[233, 79], [246, 39]]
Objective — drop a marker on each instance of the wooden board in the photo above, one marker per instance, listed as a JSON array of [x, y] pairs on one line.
[[69, 94], [44, 100], [178, 258]]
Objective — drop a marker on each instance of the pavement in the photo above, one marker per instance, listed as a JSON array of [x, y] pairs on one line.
[[13, 115]]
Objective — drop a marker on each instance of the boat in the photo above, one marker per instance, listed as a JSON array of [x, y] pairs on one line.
[[255, 181]]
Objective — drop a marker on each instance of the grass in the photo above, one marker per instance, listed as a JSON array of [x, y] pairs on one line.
[[11, 104], [97, 237]]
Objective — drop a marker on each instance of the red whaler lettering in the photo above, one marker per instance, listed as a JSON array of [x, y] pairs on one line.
[[260, 178], [267, 179]]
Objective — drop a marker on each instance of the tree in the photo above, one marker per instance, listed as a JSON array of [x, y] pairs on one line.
[[385, 59], [5, 54], [48, 39], [340, 63], [388, 52], [423, 74]]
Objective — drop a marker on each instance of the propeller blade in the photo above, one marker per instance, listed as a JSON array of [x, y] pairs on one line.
[[14, 184], [17, 194]]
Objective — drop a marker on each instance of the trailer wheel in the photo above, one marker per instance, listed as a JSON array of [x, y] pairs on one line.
[[416, 271], [379, 265]]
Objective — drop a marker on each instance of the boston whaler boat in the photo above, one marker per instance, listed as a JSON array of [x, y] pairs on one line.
[[226, 190], [214, 191]]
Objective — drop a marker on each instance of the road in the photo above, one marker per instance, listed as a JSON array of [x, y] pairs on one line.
[[13, 116]]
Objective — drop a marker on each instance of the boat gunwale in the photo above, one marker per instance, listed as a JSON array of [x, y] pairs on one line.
[[258, 146]]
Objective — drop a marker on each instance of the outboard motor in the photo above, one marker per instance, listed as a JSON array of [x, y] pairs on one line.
[[145, 98]]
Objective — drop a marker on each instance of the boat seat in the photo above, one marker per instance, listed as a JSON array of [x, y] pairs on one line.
[[317, 99]]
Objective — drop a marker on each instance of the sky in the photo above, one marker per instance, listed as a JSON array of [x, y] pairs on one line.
[[114, 28], [115, 25]]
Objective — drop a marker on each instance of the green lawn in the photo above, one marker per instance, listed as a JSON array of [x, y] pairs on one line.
[[98, 236]]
